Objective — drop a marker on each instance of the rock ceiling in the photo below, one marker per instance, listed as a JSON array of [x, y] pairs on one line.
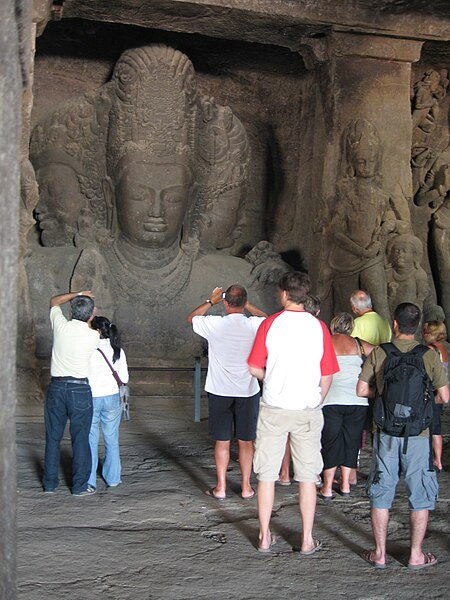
[[277, 22]]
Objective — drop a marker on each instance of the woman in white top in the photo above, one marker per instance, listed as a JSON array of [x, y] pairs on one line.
[[344, 412], [106, 399]]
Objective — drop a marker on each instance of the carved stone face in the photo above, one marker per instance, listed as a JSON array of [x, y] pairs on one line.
[[432, 79], [60, 202], [365, 163], [227, 220], [402, 256], [151, 202]]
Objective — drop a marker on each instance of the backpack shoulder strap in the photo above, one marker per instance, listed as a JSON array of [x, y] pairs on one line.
[[389, 348], [420, 350]]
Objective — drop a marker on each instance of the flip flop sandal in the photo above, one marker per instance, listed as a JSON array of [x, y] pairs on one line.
[[317, 546], [429, 561], [366, 554]]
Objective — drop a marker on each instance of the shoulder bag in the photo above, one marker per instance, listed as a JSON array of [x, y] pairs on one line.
[[124, 390]]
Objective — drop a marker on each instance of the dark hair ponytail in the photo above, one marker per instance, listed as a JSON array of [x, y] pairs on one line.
[[108, 331]]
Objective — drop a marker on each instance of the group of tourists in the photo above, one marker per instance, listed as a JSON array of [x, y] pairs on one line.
[[320, 393], [315, 405]]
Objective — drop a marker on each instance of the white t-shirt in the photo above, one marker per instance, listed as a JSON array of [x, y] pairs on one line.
[[73, 343], [230, 339], [101, 379], [296, 350]]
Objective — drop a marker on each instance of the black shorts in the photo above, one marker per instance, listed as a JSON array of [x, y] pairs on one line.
[[228, 413], [341, 434]]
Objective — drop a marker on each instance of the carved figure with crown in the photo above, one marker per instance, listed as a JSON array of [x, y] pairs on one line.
[[362, 220], [174, 164]]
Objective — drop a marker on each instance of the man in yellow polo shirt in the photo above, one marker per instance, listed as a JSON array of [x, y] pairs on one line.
[[69, 395], [369, 325]]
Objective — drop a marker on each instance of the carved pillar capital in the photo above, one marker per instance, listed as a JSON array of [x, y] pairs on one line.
[[342, 44], [345, 44]]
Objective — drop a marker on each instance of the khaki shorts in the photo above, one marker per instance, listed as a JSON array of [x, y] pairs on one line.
[[304, 428]]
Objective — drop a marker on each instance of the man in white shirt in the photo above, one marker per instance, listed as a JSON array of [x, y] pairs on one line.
[[233, 394], [69, 395]]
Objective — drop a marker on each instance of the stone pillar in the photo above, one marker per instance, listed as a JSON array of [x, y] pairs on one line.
[[28, 389], [15, 22], [358, 77]]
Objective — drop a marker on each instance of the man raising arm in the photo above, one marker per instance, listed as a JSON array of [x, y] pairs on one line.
[[233, 394]]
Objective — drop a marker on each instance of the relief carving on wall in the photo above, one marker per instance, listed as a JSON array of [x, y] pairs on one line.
[[427, 98], [361, 219], [369, 233], [142, 186], [435, 193], [407, 281]]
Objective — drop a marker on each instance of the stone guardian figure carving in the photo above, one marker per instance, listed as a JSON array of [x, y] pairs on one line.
[[407, 281], [361, 222]]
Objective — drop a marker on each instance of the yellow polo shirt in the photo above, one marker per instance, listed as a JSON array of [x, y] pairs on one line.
[[372, 328], [73, 344]]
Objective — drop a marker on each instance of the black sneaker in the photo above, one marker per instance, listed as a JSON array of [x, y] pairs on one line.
[[89, 491]]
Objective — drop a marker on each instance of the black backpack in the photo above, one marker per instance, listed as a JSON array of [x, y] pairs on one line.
[[405, 406]]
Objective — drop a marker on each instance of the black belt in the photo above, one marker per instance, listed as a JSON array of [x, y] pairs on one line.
[[84, 380]]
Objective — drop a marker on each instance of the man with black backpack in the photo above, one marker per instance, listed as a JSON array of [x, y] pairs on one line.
[[404, 378]]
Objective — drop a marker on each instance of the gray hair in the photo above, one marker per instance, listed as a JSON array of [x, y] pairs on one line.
[[82, 308], [342, 323], [361, 300]]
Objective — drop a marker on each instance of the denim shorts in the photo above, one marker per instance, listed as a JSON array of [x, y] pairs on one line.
[[388, 462]]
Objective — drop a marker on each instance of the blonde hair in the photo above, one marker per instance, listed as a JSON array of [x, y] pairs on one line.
[[436, 330], [342, 323]]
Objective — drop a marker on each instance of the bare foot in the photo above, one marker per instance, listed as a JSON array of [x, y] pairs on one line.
[[427, 560], [371, 557], [247, 493], [266, 542], [216, 494]]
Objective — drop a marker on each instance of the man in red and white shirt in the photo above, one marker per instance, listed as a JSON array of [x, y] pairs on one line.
[[294, 356]]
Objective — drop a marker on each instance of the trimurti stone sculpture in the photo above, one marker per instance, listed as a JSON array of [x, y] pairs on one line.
[[157, 171]]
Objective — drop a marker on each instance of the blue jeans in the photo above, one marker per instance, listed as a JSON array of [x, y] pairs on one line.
[[107, 413], [73, 401]]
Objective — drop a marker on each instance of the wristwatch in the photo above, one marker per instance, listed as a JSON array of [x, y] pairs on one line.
[[209, 302]]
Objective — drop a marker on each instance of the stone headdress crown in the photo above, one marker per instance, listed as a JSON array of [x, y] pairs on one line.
[[154, 106], [360, 137]]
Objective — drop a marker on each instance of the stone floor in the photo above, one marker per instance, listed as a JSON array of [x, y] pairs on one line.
[[158, 536]]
